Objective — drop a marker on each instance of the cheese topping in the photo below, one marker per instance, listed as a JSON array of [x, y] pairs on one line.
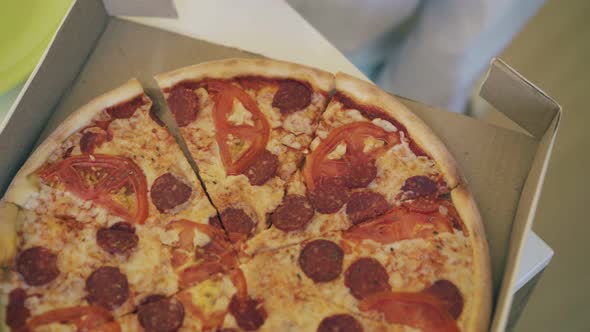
[[290, 141], [298, 123], [386, 125], [212, 295], [201, 239], [239, 115], [170, 237], [354, 115], [371, 143], [338, 152]]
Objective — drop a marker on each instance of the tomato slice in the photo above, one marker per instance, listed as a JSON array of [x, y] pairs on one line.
[[257, 135], [86, 318], [100, 178], [239, 281], [217, 256], [319, 166], [399, 224], [420, 310], [217, 249], [195, 274]]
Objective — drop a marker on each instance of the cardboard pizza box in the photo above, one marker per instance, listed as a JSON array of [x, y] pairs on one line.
[[93, 52]]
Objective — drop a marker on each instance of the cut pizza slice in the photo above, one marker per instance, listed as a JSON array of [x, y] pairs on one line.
[[63, 265], [368, 155], [404, 268], [112, 160], [116, 269], [247, 124]]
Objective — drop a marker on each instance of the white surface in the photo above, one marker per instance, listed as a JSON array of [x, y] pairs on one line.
[[267, 27], [306, 46], [536, 255]]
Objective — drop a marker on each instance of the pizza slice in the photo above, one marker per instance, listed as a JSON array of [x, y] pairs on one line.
[[368, 149], [247, 124], [405, 268], [63, 265], [112, 160]]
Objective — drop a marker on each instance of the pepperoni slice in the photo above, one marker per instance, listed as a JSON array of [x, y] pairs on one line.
[[184, 105], [107, 287], [125, 109], [329, 195], [291, 96], [249, 314], [237, 221], [168, 192], [418, 186], [262, 169], [91, 140], [321, 260], [16, 312], [158, 313], [120, 238], [37, 265], [361, 174], [293, 214], [366, 276], [365, 205], [449, 295], [215, 221], [340, 323]]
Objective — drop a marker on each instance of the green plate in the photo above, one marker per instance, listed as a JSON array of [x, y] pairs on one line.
[[26, 27]]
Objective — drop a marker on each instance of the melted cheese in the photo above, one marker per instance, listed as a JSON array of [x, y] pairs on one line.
[[239, 115], [299, 123], [291, 141], [338, 152], [371, 143], [386, 125], [201, 239], [212, 295]]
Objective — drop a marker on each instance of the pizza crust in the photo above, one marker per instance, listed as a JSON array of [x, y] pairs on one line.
[[368, 94], [235, 67], [21, 187], [8, 226], [481, 297]]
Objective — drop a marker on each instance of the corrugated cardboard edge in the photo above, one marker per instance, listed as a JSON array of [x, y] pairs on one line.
[[541, 103]]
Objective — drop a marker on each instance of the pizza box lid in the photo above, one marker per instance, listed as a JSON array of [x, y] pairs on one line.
[[505, 167]]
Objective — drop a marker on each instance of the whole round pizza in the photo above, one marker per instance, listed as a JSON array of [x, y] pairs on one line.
[[315, 202]]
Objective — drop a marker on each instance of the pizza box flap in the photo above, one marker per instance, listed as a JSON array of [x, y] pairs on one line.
[[92, 53]]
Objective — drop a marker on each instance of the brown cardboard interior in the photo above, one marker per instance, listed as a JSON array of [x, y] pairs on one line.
[[497, 162]]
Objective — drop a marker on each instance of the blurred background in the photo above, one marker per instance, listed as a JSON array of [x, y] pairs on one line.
[[436, 52]]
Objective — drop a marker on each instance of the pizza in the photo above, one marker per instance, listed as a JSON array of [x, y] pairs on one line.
[[316, 202]]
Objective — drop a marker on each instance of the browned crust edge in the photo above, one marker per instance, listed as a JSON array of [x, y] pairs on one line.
[[235, 67], [8, 230], [368, 94], [481, 297], [21, 188]]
